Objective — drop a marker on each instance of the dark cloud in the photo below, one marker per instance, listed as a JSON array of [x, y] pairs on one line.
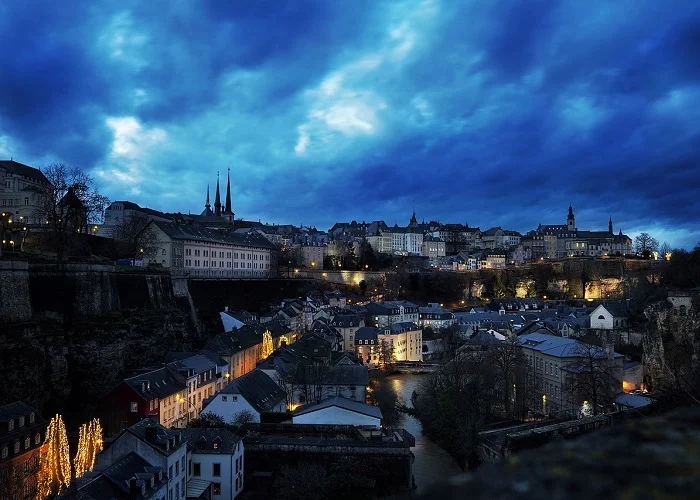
[[495, 113]]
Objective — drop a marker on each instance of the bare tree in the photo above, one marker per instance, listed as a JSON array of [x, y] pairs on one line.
[[69, 205], [386, 354], [645, 243], [138, 235], [593, 377], [665, 249], [511, 369]]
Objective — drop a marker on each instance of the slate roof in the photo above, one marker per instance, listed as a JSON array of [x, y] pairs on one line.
[[346, 320], [229, 440], [339, 375], [366, 333], [199, 233], [340, 402], [113, 482], [245, 337], [616, 309], [16, 410], [555, 346], [166, 439], [198, 363], [259, 390], [17, 168], [161, 383], [633, 400], [404, 326], [482, 338]]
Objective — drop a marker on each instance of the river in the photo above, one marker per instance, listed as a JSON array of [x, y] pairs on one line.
[[432, 463]]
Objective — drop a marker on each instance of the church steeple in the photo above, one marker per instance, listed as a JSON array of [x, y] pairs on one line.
[[207, 204], [227, 207], [610, 226], [570, 219], [217, 199]]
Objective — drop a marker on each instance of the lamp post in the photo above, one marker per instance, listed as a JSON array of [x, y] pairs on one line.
[[181, 400]]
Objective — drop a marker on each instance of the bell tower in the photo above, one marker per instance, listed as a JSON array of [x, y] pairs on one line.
[[571, 220]]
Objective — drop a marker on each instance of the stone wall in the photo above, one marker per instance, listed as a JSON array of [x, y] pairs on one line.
[[14, 291]]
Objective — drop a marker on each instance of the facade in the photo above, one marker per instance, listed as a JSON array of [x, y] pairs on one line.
[[208, 252], [561, 241], [435, 316], [609, 317], [347, 325], [254, 392], [159, 393], [199, 374], [405, 339], [338, 411], [21, 188], [495, 260], [119, 211], [394, 311], [215, 456], [432, 248], [161, 448], [22, 434], [552, 362]]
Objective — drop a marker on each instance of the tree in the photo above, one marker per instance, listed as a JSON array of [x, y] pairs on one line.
[[387, 400], [207, 420], [386, 354], [510, 364], [55, 469], [665, 250], [363, 287], [89, 445], [243, 417], [68, 205], [138, 235], [644, 243], [592, 377], [267, 346]]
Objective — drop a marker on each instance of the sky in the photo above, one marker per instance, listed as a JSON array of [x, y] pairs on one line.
[[486, 112]]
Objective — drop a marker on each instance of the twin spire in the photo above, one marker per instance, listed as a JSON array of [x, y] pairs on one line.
[[220, 210]]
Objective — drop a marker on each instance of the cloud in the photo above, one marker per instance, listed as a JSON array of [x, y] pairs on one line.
[[498, 112]]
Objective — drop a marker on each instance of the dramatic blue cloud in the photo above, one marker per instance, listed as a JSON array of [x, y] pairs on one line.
[[496, 112]]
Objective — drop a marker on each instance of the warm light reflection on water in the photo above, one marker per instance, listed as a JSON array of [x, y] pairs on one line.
[[432, 463]]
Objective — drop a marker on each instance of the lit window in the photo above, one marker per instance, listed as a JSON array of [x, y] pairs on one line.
[[17, 447], [27, 442], [134, 407]]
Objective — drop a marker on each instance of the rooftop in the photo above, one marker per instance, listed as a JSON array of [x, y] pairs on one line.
[[258, 389], [340, 402]]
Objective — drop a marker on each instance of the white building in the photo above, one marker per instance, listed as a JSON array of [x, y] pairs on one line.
[[254, 392], [435, 316], [406, 340], [21, 188], [347, 325], [392, 311], [215, 457], [157, 445], [210, 252], [338, 411], [119, 211], [609, 317]]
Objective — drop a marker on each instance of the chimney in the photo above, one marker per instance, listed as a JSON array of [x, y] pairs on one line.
[[133, 491], [151, 433], [226, 309]]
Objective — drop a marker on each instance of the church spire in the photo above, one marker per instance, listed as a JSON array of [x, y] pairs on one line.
[[610, 226], [228, 208], [217, 199], [207, 205]]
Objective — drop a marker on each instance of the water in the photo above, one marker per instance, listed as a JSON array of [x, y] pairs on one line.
[[432, 463]]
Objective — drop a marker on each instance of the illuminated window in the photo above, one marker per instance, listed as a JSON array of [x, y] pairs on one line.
[[16, 448], [134, 407], [27, 442], [217, 488]]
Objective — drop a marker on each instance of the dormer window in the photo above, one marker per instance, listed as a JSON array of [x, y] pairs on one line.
[[217, 443], [10, 425], [21, 421], [202, 443], [31, 418]]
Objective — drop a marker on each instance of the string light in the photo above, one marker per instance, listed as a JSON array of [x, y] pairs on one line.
[[89, 445], [267, 347], [55, 471]]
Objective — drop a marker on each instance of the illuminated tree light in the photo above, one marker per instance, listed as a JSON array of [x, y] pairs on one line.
[[267, 347], [89, 445], [55, 470]]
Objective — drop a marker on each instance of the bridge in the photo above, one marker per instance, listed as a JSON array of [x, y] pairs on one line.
[[416, 367]]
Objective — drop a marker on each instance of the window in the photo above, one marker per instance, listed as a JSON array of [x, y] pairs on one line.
[[234, 398], [224, 398], [26, 200], [217, 443], [177, 490], [5, 451], [170, 495], [21, 421], [601, 317], [177, 467], [184, 490], [16, 446], [27, 442], [196, 470], [10, 425], [217, 488], [216, 470]]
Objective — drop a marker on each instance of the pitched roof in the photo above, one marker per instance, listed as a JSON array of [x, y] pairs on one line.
[[17, 168], [199, 233], [259, 390], [616, 309], [340, 402], [163, 440], [113, 482], [229, 440], [366, 333], [159, 383], [557, 346], [346, 320]]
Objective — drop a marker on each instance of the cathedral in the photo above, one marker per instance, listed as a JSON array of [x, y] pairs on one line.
[[225, 212], [566, 240]]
